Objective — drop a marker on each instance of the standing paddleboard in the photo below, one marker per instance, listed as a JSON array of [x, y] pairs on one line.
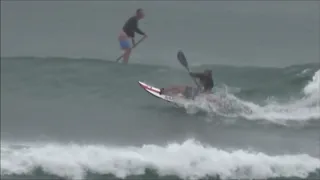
[[156, 92]]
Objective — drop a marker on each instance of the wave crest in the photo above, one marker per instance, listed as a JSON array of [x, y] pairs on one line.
[[189, 159]]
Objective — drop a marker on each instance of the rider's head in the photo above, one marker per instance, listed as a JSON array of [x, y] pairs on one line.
[[140, 13], [207, 72]]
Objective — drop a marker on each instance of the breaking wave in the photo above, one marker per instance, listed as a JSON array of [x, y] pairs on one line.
[[189, 159]]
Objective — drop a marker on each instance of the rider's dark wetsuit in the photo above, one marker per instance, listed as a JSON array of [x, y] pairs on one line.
[[206, 83], [205, 80], [131, 26]]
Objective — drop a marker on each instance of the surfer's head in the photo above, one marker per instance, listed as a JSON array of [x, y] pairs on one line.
[[140, 13], [208, 72]]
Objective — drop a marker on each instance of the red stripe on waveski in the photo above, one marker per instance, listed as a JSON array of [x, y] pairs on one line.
[[149, 88]]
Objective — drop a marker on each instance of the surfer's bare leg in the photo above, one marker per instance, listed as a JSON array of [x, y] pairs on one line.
[[125, 45], [126, 55], [173, 90]]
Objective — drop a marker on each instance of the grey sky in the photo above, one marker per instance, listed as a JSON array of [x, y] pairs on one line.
[[245, 32]]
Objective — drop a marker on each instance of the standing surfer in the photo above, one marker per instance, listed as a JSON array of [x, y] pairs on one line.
[[128, 31]]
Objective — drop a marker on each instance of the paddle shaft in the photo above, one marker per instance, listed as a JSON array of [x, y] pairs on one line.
[[194, 80], [135, 45], [183, 61]]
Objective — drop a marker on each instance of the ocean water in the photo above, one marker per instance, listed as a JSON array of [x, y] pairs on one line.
[[68, 117], [69, 112]]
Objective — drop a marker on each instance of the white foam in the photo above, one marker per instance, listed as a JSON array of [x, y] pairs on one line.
[[187, 160], [313, 87], [302, 109], [305, 71], [306, 108]]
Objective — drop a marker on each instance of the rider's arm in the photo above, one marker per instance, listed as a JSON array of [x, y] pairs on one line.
[[196, 75]]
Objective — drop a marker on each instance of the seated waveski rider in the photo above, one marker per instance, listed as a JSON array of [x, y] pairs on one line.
[[206, 83]]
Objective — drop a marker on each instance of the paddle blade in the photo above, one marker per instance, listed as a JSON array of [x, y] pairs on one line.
[[182, 59]]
